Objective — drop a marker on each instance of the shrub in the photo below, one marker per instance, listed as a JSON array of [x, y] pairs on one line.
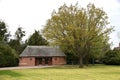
[[8, 56], [112, 57]]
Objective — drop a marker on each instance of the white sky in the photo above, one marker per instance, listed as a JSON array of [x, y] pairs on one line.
[[32, 14]]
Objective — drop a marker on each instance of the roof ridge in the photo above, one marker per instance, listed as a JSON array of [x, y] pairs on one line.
[[43, 46]]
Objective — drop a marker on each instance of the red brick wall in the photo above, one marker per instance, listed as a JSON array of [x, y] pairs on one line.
[[30, 61], [58, 60], [27, 61]]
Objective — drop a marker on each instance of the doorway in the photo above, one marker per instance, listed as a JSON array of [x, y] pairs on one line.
[[43, 61]]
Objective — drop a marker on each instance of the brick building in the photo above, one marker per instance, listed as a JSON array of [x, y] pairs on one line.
[[41, 55]]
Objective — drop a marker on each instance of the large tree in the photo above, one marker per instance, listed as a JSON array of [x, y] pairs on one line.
[[37, 39], [77, 30]]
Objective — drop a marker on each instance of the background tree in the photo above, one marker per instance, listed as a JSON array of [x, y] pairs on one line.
[[3, 32], [19, 34], [37, 39], [77, 30], [8, 56], [100, 47], [112, 57], [16, 42]]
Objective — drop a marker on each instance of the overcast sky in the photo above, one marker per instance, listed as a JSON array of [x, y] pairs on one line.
[[32, 14]]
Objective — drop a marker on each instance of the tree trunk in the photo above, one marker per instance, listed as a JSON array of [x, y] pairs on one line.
[[81, 62]]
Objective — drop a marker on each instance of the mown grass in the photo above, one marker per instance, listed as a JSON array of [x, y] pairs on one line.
[[68, 72]]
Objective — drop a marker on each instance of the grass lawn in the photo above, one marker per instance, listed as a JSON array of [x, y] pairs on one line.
[[97, 72]]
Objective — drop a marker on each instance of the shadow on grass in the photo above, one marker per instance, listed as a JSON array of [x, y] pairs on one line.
[[111, 73], [65, 67], [77, 66], [10, 73]]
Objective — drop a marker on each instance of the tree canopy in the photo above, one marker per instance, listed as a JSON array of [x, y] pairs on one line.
[[37, 39], [7, 56], [112, 57], [3, 32], [78, 30], [16, 42], [19, 34]]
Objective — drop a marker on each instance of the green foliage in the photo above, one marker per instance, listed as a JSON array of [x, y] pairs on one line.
[[19, 34], [71, 58], [78, 30], [112, 57], [3, 32], [8, 56], [37, 39], [16, 42]]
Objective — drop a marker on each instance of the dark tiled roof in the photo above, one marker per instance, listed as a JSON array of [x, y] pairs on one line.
[[41, 51]]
